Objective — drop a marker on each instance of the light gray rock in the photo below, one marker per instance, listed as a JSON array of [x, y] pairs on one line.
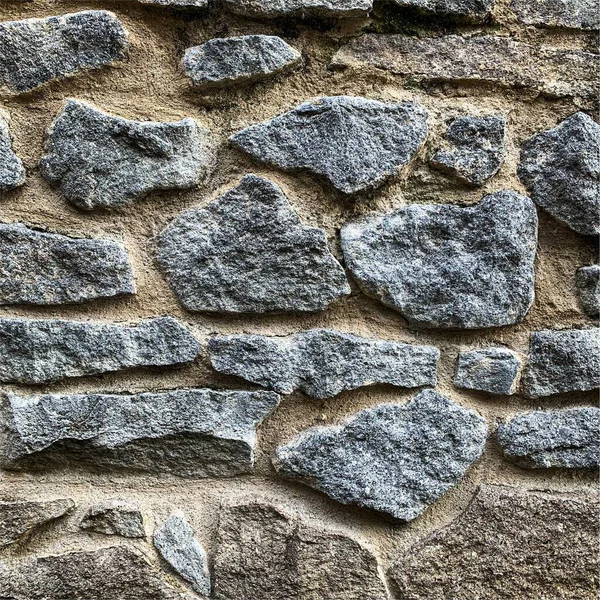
[[554, 438], [561, 169], [177, 3], [322, 362], [99, 160], [562, 361], [41, 351], [474, 11], [12, 171], [115, 516], [396, 460], [299, 8], [493, 370], [355, 143], [248, 252], [190, 433], [36, 51], [176, 542], [588, 286], [575, 14], [448, 266]]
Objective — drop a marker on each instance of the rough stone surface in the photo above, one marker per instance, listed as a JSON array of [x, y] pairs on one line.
[[543, 439], [355, 143], [476, 150], [115, 516], [322, 362], [562, 361], [100, 160], [45, 268], [267, 554], [299, 8], [561, 169], [447, 266], [235, 60], [248, 252], [476, 11], [575, 14], [41, 351], [178, 3], [508, 544], [12, 171], [396, 460], [190, 433], [588, 286], [493, 370], [176, 542], [36, 51]]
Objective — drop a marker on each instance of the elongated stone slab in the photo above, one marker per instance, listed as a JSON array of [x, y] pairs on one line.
[[12, 171], [190, 433], [178, 3], [322, 362], [396, 460], [42, 351], [587, 281], [447, 266], [115, 516], [474, 11], [36, 51], [493, 370], [575, 14], [299, 8]]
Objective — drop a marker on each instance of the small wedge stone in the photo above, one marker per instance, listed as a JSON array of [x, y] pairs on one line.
[[299, 8], [473, 11], [493, 370], [115, 517], [588, 286], [12, 171], [575, 14]]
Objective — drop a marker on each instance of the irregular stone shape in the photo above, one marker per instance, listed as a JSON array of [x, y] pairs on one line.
[[477, 149], [588, 286], [554, 438], [176, 542], [494, 60], [448, 266], [575, 14], [42, 351], [562, 361], [493, 370], [115, 517], [509, 543], [396, 460], [46, 268], [36, 51], [190, 433], [248, 252], [267, 554], [299, 8], [243, 59], [178, 3], [475, 11], [99, 160], [561, 169], [354, 143], [322, 362], [12, 171]]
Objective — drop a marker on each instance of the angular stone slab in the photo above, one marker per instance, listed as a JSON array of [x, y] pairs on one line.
[[41, 351], [47, 268], [561, 169], [588, 286], [190, 433], [575, 14], [36, 51], [446, 266], [178, 3], [248, 252], [236, 60], [322, 363], [554, 438], [495, 60], [102, 161], [562, 361], [299, 8], [476, 150], [473, 11], [354, 143], [493, 370], [266, 552], [115, 516], [396, 460], [12, 171]]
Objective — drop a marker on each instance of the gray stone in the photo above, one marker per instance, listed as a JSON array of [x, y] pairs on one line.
[[99, 160], [244, 59], [508, 544], [555, 438], [562, 361], [474, 11], [396, 460], [177, 3], [36, 51], [190, 433], [476, 149], [266, 553], [115, 517], [299, 8], [41, 351], [575, 14], [587, 281], [45, 268], [448, 266], [561, 169], [356, 144], [493, 370], [248, 252], [12, 171], [176, 542], [322, 363]]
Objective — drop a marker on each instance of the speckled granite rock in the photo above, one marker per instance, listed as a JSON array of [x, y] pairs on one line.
[[177, 3], [354, 143], [475, 11], [587, 281], [448, 266], [493, 370], [115, 516], [12, 171], [299, 8], [576, 14], [396, 460], [36, 51], [248, 252]]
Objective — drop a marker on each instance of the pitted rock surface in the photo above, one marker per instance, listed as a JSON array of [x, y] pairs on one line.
[[178, 3], [588, 286], [115, 516], [12, 171], [475, 11], [575, 14], [299, 8], [493, 370]]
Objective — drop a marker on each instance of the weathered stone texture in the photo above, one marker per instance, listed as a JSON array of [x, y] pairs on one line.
[[115, 516], [576, 14], [493, 370], [299, 8], [178, 3], [587, 281], [12, 171], [475, 11]]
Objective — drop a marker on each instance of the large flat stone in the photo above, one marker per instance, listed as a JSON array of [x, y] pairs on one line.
[[493, 370], [12, 171], [115, 516], [474, 11], [299, 8], [587, 281], [575, 14], [447, 266]]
